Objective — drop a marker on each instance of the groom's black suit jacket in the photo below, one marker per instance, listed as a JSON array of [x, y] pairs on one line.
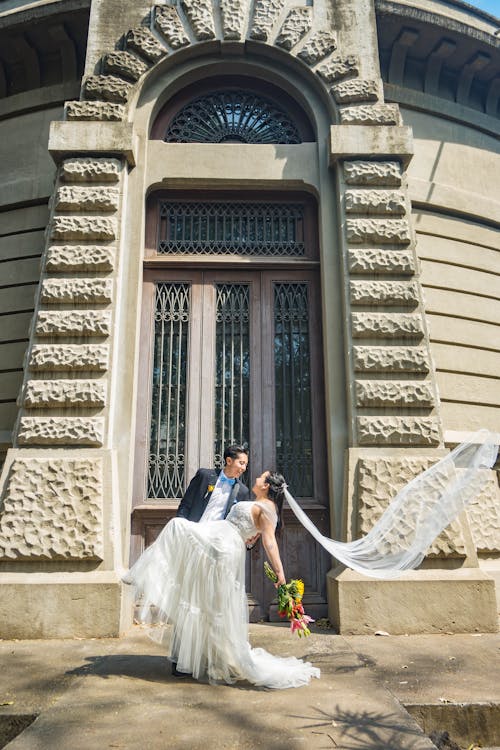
[[197, 495]]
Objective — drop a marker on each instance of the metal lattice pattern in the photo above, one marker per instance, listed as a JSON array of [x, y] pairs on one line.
[[168, 408], [232, 367], [269, 229], [293, 387], [232, 117]]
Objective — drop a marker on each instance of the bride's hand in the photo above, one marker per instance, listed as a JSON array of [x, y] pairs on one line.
[[281, 581]]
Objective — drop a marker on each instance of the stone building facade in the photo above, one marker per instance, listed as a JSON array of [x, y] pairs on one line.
[[262, 221]]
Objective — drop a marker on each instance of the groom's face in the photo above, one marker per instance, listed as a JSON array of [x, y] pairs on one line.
[[235, 467]]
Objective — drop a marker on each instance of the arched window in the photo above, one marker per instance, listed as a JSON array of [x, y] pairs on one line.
[[232, 109]]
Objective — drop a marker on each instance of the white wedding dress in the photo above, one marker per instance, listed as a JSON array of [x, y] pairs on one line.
[[193, 576]]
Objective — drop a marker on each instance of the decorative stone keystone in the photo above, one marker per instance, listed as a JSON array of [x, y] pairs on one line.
[[390, 359], [50, 394], [296, 25], [94, 111], [371, 114], [398, 431], [390, 231], [146, 44], [77, 291], [72, 198], [64, 258], [73, 323], [394, 393], [384, 292], [48, 357], [375, 202], [61, 431], [265, 15], [381, 261], [373, 173], [83, 228], [124, 64], [200, 16], [107, 88], [169, 24], [355, 90], [234, 13], [88, 169], [318, 46]]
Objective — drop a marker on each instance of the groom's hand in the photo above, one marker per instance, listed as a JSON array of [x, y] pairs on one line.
[[250, 543]]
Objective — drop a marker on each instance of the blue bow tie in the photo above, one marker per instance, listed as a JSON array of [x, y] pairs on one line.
[[223, 478]]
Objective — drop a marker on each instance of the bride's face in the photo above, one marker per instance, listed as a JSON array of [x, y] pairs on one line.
[[260, 487]]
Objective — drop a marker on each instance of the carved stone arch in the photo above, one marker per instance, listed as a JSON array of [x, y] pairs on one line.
[[170, 31]]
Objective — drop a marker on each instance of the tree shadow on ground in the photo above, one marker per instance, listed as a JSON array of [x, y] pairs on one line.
[[365, 730]]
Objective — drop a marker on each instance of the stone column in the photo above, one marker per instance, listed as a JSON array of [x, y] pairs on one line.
[[394, 405]]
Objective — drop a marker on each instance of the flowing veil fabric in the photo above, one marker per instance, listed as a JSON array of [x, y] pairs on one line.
[[417, 514]]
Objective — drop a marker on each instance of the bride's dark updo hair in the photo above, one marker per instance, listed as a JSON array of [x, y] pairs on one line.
[[276, 492]]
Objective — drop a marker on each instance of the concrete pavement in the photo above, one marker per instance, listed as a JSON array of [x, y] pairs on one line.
[[97, 694]]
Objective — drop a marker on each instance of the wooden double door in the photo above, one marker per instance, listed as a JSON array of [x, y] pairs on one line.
[[234, 356]]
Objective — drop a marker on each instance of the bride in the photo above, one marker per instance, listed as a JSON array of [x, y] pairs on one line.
[[193, 575]]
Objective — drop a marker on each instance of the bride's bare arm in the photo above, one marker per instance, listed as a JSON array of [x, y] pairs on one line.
[[267, 529]]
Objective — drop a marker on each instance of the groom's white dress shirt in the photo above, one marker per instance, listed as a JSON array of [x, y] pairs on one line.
[[217, 504]]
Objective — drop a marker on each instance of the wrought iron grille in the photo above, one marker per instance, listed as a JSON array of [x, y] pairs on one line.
[[168, 407], [270, 229], [293, 387], [232, 368], [232, 117]]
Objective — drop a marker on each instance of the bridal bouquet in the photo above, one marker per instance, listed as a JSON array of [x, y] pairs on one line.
[[290, 602]]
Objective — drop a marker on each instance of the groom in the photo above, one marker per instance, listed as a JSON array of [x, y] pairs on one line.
[[211, 494]]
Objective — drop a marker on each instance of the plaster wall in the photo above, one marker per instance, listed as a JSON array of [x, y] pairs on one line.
[[454, 182]]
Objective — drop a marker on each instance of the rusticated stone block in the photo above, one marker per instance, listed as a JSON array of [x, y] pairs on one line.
[[387, 325], [398, 431], [371, 114], [355, 90], [384, 292], [73, 323], [394, 393], [373, 173], [145, 43], [83, 228], [381, 261], [107, 88], [52, 510], [295, 26], [89, 169], [379, 481], [125, 64], [234, 13], [265, 15], [61, 431], [200, 16], [106, 111], [390, 231], [77, 291], [169, 24], [336, 67], [76, 198], [375, 202], [484, 516], [48, 357], [63, 258], [318, 46], [50, 394], [390, 359]]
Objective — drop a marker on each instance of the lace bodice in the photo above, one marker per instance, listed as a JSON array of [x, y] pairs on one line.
[[240, 516]]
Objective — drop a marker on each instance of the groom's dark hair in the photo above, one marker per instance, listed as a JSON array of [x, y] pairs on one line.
[[233, 451]]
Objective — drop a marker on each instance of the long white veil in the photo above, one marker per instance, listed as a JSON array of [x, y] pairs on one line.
[[417, 514]]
